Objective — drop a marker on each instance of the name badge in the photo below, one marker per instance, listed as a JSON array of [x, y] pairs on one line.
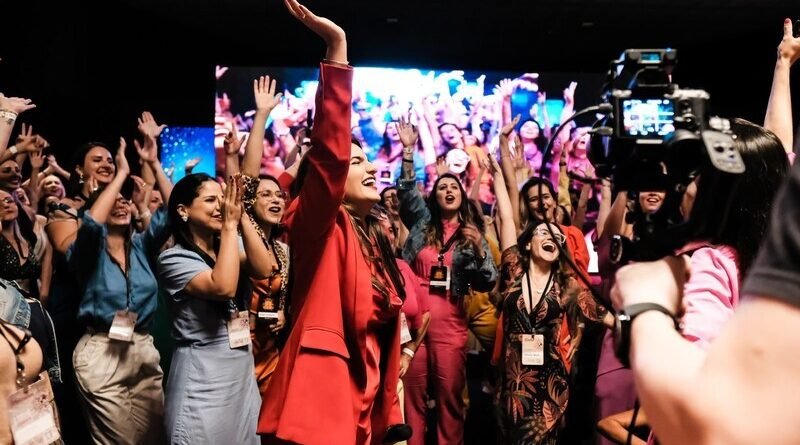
[[239, 330], [405, 334], [123, 325], [268, 317], [533, 350], [31, 414], [440, 278]]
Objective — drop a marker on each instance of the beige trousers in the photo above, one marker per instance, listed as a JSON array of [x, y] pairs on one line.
[[120, 384]]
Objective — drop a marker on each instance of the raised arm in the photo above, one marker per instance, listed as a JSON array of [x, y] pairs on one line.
[[152, 131], [779, 108], [10, 109], [266, 100], [105, 202], [507, 167], [328, 162], [220, 283], [412, 207], [505, 211]]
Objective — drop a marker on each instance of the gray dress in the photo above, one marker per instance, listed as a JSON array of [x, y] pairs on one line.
[[211, 396]]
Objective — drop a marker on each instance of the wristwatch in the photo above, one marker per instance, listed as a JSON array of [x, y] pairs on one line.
[[624, 319]]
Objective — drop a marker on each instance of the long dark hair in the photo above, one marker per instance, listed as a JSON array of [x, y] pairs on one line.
[[183, 193], [385, 260], [734, 210], [525, 215], [75, 182], [467, 214], [560, 267]]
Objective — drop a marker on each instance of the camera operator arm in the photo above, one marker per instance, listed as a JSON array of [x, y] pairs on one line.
[[779, 108]]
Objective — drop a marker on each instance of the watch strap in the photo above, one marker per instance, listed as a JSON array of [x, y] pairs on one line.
[[622, 340]]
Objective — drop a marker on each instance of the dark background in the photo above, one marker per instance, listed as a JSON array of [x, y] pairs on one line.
[[93, 67]]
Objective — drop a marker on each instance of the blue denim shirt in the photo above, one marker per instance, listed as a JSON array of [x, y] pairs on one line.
[[103, 282], [468, 270]]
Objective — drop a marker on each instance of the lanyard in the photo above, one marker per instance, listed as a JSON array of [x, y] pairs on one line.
[[448, 245], [530, 293]]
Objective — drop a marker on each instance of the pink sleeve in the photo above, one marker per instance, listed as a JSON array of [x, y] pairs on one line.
[[710, 295]]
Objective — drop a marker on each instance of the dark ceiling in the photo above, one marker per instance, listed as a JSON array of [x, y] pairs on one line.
[[92, 67]]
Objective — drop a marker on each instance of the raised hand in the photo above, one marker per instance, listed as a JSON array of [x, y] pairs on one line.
[[15, 104], [220, 70], [408, 134], [789, 48], [330, 32], [139, 191], [191, 163], [122, 162], [26, 141], [505, 132], [37, 160], [505, 88], [569, 93], [148, 152], [264, 93], [148, 126], [232, 142], [441, 166], [232, 203]]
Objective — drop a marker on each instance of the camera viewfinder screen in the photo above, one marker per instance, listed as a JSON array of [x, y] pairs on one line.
[[643, 118]]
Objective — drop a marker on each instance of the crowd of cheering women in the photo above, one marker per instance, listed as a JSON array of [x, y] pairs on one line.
[[312, 308]]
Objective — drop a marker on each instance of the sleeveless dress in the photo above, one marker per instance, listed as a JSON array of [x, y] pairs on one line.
[[531, 400]]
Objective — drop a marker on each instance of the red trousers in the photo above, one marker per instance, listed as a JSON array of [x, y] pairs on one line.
[[440, 361]]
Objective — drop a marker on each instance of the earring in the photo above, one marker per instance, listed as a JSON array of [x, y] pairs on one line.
[[185, 218]]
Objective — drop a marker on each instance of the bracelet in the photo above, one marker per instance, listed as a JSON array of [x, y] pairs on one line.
[[145, 214], [8, 116], [408, 352], [13, 149]]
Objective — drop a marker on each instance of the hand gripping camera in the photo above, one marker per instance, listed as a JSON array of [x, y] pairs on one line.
[[658, 137]]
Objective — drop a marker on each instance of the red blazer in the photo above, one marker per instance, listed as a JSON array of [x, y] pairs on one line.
[[315, 395]]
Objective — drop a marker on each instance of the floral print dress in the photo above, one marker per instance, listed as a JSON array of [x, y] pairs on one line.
[[531, 400]]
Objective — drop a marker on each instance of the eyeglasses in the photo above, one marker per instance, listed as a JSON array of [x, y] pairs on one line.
[[269, 194], [8, 201], [560, 238]]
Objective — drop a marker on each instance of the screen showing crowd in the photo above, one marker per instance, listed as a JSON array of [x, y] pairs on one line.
[[465, 105]]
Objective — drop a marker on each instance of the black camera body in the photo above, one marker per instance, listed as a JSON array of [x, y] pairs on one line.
[[658, 137]]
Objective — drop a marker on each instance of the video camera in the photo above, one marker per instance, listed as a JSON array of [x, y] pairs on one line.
[[658, 137]]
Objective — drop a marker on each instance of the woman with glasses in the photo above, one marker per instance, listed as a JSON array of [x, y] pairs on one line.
[[536, 288], [264, 203]]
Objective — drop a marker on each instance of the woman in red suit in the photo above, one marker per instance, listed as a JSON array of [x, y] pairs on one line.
[[337, 377]]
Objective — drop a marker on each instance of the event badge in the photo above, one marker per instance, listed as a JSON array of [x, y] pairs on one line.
[[123, 325], [239, 330], [31, 414], [440, 278], [532, 349], [405, 334]]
